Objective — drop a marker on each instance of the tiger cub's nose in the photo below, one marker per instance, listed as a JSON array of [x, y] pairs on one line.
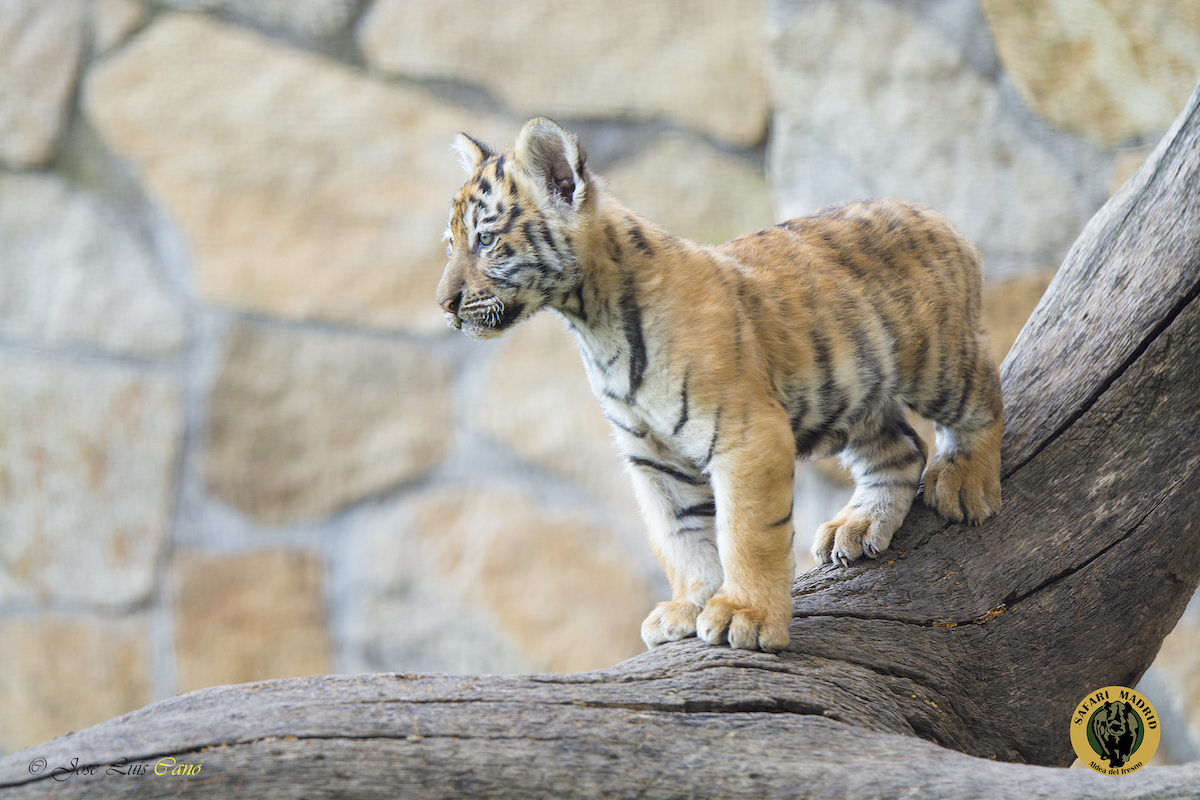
[[450, 304]]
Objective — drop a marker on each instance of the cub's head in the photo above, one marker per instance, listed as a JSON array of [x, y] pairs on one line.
[[512, 229]]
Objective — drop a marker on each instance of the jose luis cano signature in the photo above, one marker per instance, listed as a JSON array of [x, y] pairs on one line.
[[122, 767]]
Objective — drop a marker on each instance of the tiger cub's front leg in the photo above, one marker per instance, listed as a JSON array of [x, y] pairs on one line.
[[753, 480], [679, 513], [886, 466]]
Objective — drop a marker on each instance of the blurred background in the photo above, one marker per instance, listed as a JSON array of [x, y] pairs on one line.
[[237, 442]]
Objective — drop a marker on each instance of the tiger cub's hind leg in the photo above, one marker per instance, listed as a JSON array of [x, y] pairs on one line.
[[963, 479], [886, 466]]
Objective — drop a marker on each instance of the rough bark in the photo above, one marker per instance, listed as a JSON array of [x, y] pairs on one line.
[[916, 675]]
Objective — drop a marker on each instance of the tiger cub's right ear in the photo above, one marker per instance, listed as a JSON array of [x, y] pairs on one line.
[[471, 152]]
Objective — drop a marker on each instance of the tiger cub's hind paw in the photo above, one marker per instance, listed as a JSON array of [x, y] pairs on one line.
[[853, 533], [962, 488]]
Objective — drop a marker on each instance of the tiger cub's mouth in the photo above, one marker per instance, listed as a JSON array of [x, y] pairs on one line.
[[485, 318]]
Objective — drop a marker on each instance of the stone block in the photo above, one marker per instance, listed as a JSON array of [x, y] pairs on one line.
[[304, 189], [60, 674], [252, 617], [87, 475], [40, 47], [554, 591], [1109, 69], [872, 101], [302, 424], [74, 271], [698, 64], [694, 190]]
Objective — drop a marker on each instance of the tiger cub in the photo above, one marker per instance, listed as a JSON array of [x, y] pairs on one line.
[[718, 366]]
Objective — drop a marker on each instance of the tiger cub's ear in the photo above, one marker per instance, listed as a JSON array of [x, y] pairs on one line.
[[471, 152], [554, 162]]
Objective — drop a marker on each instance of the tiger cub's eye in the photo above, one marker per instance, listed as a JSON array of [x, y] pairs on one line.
[[486, 239]]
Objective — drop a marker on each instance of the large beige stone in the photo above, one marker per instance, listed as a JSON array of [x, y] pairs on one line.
[[60, 674], [555, 588], [693, 190], [249, 618], [1110, 69], [304, 189], [872, 101], [399, 612], [699, 64], [536, 400], [73, 271], [114, 20], [1178, 668], [302, 424], [87, 471], [40, 46]]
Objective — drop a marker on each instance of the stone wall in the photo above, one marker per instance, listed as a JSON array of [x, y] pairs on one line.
[[236, 440]]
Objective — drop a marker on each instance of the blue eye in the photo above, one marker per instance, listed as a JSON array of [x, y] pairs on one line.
[[486, 239]]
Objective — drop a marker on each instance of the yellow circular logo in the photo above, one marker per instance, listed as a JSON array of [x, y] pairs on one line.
[[1115, 730]]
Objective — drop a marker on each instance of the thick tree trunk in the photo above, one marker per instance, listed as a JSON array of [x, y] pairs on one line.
[[914, 675]]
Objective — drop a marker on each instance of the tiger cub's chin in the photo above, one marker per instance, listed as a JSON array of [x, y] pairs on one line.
[[719, 366]]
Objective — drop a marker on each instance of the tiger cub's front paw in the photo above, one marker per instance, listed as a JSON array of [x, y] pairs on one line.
[[853, 533], [744, 626], [670, 622]]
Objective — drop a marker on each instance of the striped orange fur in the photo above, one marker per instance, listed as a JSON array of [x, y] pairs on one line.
[[719, 366]]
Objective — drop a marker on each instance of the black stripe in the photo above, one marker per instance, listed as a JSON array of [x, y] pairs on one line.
[[889, 484], [531, 232], [582, 311], [906, 429], [968, 376], [666, 470], [783, 521], [624, 427], [547, 234], [505, 282], [708, 509], [514, 211], [500, 167], [934, 409], [485, 185], [797, 416], [617, 397], [631, 316], [829, 394], [909, 458], [638, 237], [712, 445], [683, 417]]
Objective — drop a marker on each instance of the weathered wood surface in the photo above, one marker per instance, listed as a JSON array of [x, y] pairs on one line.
[[917, 675]]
